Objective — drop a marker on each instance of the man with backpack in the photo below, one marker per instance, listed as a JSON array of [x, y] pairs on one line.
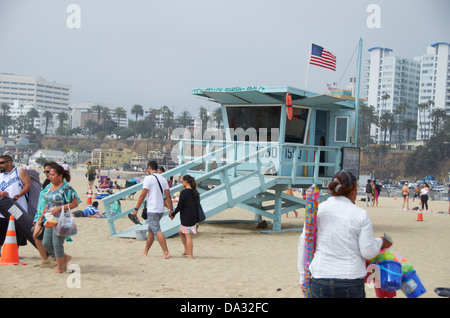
[[15, 184], [368, 192]]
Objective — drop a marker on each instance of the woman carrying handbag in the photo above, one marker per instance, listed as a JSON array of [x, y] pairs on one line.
[[187, 206], [60, 196]]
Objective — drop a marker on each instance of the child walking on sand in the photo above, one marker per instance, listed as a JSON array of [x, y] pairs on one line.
[[187, 206]]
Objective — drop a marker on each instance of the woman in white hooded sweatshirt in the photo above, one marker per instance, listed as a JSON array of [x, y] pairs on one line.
[[344, 240]]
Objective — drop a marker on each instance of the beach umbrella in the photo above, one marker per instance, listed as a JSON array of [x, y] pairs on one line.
[[312, 203]]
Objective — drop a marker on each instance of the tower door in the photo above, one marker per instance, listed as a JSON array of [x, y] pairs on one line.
[[322, 124]]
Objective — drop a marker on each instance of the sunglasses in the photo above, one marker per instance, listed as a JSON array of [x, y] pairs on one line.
[[47, 171], [3, 162]]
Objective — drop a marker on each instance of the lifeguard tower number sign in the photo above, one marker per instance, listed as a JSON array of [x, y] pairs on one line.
[[350, 160]]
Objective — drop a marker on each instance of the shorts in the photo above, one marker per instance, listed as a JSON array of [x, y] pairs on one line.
[[188, 229], [153, 222]]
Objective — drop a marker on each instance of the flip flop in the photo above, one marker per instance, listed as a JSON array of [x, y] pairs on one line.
[[134, 219]]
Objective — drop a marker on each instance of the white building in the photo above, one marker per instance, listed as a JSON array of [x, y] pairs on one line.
[[51, 96], [434, 85], [18, 109], [396, 77], [47, 155]]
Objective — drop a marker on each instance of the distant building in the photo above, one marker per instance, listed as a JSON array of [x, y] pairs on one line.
[[107, 159], [395, 77], [51, 96], [18, 147], [82, 112], [434, 86], [48, 155]]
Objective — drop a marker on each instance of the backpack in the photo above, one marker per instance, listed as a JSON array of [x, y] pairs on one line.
[[368, 188], [35, 191]]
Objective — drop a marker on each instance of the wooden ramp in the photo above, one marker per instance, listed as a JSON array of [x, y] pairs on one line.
[[213, 202]]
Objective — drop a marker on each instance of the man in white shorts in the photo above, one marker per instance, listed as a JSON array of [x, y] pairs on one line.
[[154, 185]]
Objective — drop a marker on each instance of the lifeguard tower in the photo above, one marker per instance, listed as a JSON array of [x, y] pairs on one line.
[[274, 139]]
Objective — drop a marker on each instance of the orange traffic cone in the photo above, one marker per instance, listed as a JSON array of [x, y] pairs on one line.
[[10, 251], [420, 215], [89, 198]]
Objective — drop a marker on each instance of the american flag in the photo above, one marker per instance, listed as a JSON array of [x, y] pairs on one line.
[[323, 58]]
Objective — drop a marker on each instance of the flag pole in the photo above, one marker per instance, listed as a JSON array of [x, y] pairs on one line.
[[307, 65], [358, 78]]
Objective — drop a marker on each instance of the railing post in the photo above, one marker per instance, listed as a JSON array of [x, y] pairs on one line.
[[294, 165], [261, 176], [112, 227], [207, 151], [316, 164], [337, 161], [235, 159], [226, 180]]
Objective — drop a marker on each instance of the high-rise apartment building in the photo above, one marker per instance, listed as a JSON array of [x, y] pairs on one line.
[[391, 82], [434, 86], [51, 96]]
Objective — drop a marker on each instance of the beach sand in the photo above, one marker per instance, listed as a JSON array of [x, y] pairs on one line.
[[231, 260]]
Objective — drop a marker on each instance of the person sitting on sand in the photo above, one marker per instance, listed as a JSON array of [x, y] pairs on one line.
[[104, 185]]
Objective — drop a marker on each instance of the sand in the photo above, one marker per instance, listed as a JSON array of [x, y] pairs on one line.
[[231, 260]]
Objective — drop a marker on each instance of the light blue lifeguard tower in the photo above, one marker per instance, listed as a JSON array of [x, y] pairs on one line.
[[274, 139]]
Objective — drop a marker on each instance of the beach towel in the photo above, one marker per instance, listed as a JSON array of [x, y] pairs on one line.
[[312, 203]]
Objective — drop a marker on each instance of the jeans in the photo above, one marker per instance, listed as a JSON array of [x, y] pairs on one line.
[[337, 288], [53, 243]]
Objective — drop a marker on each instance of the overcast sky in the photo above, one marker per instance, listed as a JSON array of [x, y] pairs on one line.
[[154, 52]]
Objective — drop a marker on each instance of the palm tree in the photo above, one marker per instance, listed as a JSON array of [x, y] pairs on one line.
[[204, 117], [384, 124], [384, 98], [398, 113], [5, 119], [367, 117], [438, 117], [168, 121], [91, 126], [217, 116], [105, 115], [137, 110], [48, 117], [184, 119], [409, 124], [430, 109], [31, 115], [62, 117], [151, 118], [98, 109], [120, 113]]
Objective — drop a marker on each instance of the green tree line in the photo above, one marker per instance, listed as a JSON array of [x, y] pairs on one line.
[[144, 122]]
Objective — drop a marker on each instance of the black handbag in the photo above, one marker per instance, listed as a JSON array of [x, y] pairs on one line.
[[200, 213]]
